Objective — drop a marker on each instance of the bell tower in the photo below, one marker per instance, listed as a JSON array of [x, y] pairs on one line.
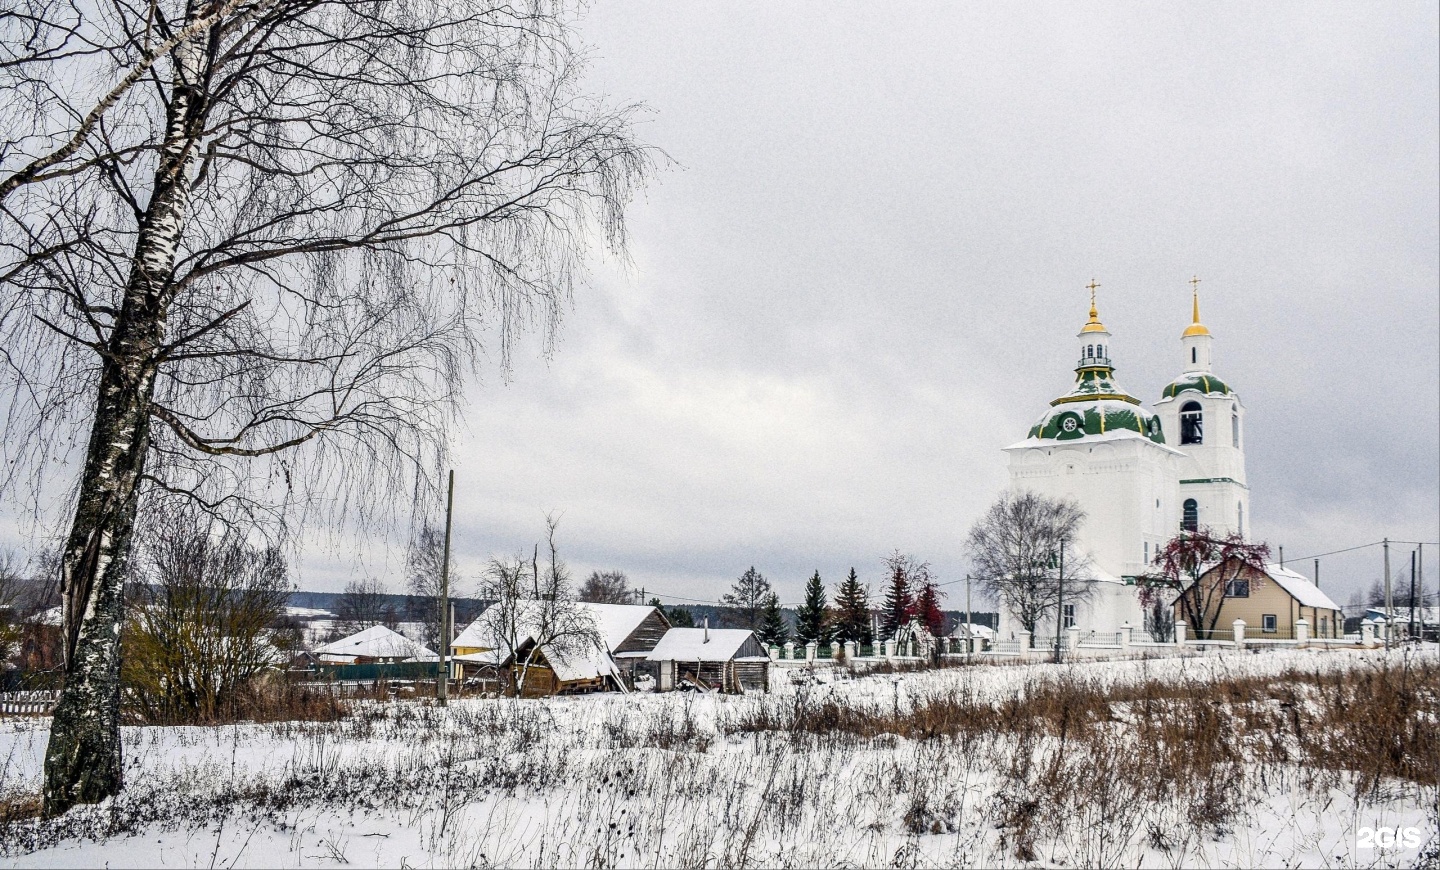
[[1203, 418]]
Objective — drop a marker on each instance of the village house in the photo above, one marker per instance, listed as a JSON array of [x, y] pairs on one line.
[[729, 660], [374, 645], [1270, 602]]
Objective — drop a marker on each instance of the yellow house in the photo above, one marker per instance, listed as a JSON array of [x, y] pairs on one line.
[[1270, 602]]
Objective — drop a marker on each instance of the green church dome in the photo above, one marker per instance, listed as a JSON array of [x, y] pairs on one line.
[[1068, 421], [1198, 382]]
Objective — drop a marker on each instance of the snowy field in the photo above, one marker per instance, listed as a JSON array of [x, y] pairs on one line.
[[806, 776]]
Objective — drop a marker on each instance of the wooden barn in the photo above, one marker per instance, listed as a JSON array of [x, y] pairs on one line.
[[631, 632], [728, 660], [627, 634]]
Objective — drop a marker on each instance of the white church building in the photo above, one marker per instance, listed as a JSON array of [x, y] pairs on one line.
[[1139, 475]]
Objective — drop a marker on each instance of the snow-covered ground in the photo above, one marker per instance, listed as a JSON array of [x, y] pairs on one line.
[[688, 780]]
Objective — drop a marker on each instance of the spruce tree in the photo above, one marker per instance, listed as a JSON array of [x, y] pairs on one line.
[[852, 611], [812, 618], [773, 630], [899, 603], [927, 605], [747, 600]]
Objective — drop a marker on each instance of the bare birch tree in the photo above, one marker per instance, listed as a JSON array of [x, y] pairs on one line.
[[1016, 549], [424, 560], [250, 247], [528, 627]]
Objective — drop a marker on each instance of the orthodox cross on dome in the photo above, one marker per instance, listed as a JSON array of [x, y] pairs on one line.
[[1196, 327], [1094, 324]]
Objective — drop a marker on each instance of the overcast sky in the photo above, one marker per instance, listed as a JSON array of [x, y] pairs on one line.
[[864, 273]]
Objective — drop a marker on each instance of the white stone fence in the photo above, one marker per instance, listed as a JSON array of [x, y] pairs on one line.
[[36, 702]]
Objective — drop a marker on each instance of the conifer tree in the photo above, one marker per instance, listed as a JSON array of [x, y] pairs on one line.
[[927, 603], [852, 611], [812, 618], [899, 603], [773, 630], [747, 600]]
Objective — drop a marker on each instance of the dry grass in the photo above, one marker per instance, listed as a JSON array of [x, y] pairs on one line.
[[1081, 749]]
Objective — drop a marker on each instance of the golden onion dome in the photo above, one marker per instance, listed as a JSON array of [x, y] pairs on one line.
[[1195, 327], [1094, 324]]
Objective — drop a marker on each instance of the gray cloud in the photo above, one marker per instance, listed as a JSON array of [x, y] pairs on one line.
[[865, 279], [865, 276]]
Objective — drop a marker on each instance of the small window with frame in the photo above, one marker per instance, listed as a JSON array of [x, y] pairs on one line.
[[1237, 588], [1069, 616], [1269, 622]]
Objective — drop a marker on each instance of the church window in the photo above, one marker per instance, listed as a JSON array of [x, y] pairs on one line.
[[1194, 354], [1235, 428], [1240, 517], [1192, 424], [1090, 350], [1237, 588], [1190, 516], [1069, 615]]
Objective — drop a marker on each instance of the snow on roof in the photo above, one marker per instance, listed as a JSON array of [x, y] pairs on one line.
[[308, 613], [572, 658], [1088, 440], [976, 629], [689, 644], [616, 622], [48, 616], [377, 642], [1300, 588]]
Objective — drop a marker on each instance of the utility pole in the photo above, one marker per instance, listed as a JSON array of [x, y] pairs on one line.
[[1060, 614], [1389, 598], [969, 622], [1282, 556], [1317, 573], [442, 686], [1412, 593]]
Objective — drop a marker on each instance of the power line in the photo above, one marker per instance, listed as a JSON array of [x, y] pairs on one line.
[[1361, 547]]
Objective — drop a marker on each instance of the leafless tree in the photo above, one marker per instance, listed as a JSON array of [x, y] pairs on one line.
[[423, 563], [200, 615], [1194, 572], [251, 248], [1016, 549], [607, 587], [365, 603], [12, 592], [528, 628]]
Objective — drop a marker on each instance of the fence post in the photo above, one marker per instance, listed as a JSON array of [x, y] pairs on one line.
[[890, 648], [1302, 633], [1024, 638], [1367, 634], [789, 649], [774, 652], [1073, 641], [850, 649], [834, 649], [1180, 629], [1239, 626], [1125, 638], [811, 647]]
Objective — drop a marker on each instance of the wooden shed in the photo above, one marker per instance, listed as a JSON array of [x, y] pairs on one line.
[[729, 660]]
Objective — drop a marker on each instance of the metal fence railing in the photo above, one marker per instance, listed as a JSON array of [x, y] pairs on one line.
[[1259, 632]]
